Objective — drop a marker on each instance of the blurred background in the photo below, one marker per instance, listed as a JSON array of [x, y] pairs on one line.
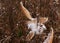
[[13, 28]]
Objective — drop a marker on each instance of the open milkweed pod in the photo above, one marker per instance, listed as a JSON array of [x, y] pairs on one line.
[[43, 19], [30, 36], [25, 11], [50, 37]]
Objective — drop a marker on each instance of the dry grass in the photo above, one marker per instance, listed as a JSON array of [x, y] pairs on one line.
[[13, 21]]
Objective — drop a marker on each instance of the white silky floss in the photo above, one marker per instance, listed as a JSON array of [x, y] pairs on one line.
[[36, 29]]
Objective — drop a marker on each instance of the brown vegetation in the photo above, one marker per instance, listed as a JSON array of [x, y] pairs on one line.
[[13, 28]]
